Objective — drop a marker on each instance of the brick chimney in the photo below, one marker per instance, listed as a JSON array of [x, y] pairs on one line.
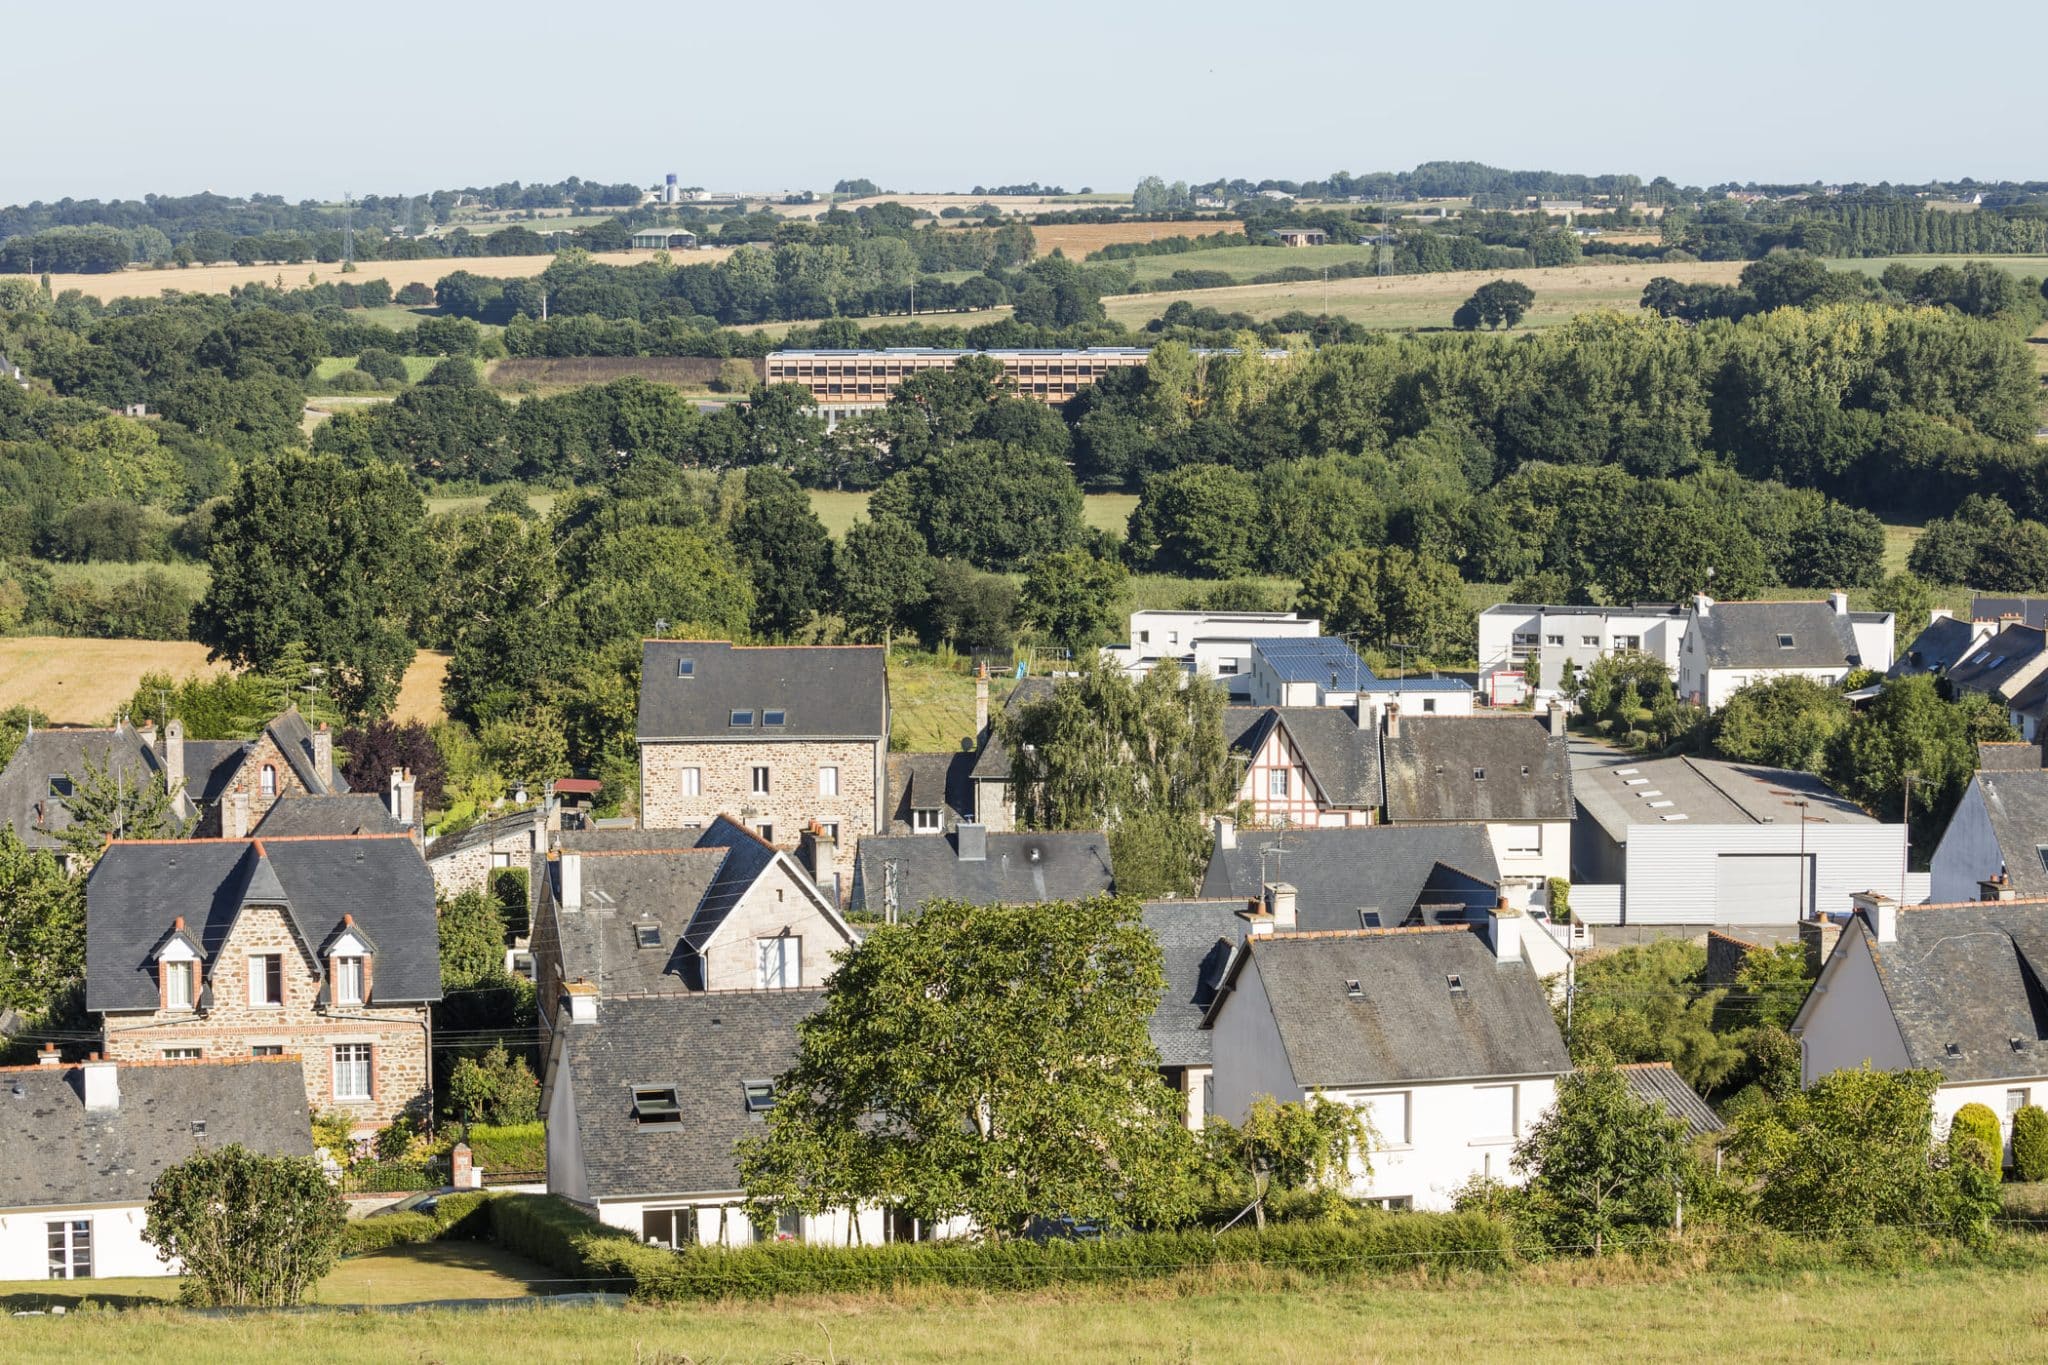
[[407, 787], [581, 998], [323, 754], [102, 1086], [1279, 899], [1839, 603], [980, 700], [48, 1056], [1393, 720]]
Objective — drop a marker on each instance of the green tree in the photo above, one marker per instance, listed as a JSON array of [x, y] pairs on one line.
[[2030, 1143], [1853, 1150], [785, 549], [307, 550], [1073, 597], [495, 1088], [108, 804], [472, 939], [42, 929], [884, 574], [1910, 600], [1787, 722], [1198, 519], [1500, 303], [1601, 1162], [1649, 1003], [1975, 1138], [248, 1230], [1910, 728], [992, 1062], [1300, 1145], [1388, 596]]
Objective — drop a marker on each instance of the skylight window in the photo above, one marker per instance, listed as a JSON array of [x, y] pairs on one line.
[[2041, 852], [60, 785], [647, 935], [1784, 641], [1479, 774], [686, 668], [773, 718], [1353, 990], [1368, 919], [760, 1096], [1456, 983], [742, 718], [655, 1106]]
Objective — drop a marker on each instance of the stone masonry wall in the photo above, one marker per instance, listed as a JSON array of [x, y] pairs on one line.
[[249, 777], [232, 1026], [725, 786], [775, 905]]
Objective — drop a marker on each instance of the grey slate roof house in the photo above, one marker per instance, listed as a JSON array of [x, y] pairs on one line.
[[930, 793], [2026, 611], [1938, 647], [1307, 765], [85, 1142], [2002, 666], [1370, 876], [1196, 941], [990, 775], [1955, 989], [1729, 644], [40, 775], [973, 865], [353, 813], [1476, 768], [1999, 829]]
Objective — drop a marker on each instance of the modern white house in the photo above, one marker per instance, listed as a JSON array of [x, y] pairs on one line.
[[1999, 829], [1318, 670], [1431, 695], [1703, 842], [1442, 1035], [1951, 988], [1728, 645], [85, 1142], [1217, 643], [1524, 646]]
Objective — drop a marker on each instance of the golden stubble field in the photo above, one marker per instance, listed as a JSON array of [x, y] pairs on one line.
[[219, 279]]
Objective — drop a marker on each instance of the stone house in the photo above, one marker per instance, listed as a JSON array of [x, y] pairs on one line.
[[469, 860], [322, 946], [896, 874], [1510, 773], [778, 737]]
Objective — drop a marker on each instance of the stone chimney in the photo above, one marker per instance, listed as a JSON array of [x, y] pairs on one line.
[[1225, 830], [1997, 888], [234, 815], [102, 1086], [980, 700], [1817, 937], [820, 853], [971, 842], [48, 1056], [323, 754], [407, 786], [1504, 931], [1701, 604], [1880, 912], [581, 999], [1839, 603], [174, 754], [1279, 898], [1556, 720], [570, 865], [1393, 721]]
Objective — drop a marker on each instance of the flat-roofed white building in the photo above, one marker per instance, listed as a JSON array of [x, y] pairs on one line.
[[1534, 641], [1218, 643]]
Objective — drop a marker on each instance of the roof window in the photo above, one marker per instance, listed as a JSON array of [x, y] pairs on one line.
[[1368, 919], [1455, 982], [60, 784], [740, 718], [1479, 774], [1353, 990], [647, 935], [760, 1096], [1784, 641], [1952, 1049], [686, 668], [774, 718], [655, 1106]]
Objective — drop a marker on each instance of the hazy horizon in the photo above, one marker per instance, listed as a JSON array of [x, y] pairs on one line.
[[392, 99]]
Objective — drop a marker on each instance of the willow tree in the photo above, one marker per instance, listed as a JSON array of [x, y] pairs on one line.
[[1143, 758]]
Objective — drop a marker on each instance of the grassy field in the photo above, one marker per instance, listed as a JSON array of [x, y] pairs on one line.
[[1405, 301], [2036, 266], [219, 279], [416, 367], [922, 318], [1243, 262], [931, 702], [419, 692], [1976, 1315], [839, 510], [191, 577]]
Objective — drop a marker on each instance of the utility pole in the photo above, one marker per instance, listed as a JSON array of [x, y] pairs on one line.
[[1906, 821]]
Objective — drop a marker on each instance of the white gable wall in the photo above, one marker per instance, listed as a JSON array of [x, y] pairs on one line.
[[1968, 852], [1847, 1021], [117, 1245], [1433, 1137]]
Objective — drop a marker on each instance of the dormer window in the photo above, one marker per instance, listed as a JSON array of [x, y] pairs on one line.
[[178, 984], [774, 719], [686, 668], [760, 1096], [647, 935], [656, 1107], [348, 981], [742, 718], [924, 820]]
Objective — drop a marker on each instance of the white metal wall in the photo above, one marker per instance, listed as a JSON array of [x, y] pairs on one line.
[[1672, 868]]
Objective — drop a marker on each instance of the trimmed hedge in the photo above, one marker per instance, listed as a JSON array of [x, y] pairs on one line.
[[508, 1147], [558, 1235], [457, 1217], [1973, 1135], [2030, 1143]]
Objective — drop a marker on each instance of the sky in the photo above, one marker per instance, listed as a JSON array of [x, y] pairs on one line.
[[310, 101]]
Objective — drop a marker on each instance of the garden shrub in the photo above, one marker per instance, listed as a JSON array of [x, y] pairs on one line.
[[456, 1217], [2030, 1143], [509, 1147], [1974, 1135]]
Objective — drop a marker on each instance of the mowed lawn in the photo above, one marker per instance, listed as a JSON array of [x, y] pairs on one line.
[[1982, 1316], [840, 510]]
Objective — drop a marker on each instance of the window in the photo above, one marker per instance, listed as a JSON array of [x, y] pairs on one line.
[[760, 785], [656, 1107], [779, 963], [1173, 637], [1226, 668], [267, 782], [1494, 1112], [1389, 1116], [1276, 782], [900, 1225], [647, 935], [1592, 641], [178, 985], [1394, 1203], [499, 860], [70, 1249], [1784, 642], [2015, 1100], [766, 831], [1479, 774], [740, 718], [693, 781], [352, 1071], [925, 820], [1628, 642], [266, 981], [760, 1096], [266, 1050], [1428, 705], [1144, 637], [671, 1228], [686, 668], [181, 1054], [828, 781], [60, 785], [1524, 841], [1553, 639], [1455, 982], [348, 981], [774, 718], [830, 829]]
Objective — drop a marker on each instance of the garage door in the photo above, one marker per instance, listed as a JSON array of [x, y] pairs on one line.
[[1761, 888]]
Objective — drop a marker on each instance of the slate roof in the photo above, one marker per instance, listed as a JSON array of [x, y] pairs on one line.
[[60, 1154], [1019, 869], [925, 781], [1656, 1083], [706, 1045], [2031, 700], [1745, 635], [1195, 942], [1937, 648], [25, 799], [2008, 756], [2000, 662], [137, 889], [2017, 804], [489, 832], [1313, 659], [747, 856], [1343, 760], [825, 691], [1337, 872], [2032, 611], [622, 890], [1970, 975], [354, 813], [1433, 766], [210, 765], [294, 738], [1405, 1023], [992, 764]]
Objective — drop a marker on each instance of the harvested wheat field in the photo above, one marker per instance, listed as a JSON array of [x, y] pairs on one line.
[[1427, 301], [219, 279], [938, 203], [83, 682], [1079, 239]]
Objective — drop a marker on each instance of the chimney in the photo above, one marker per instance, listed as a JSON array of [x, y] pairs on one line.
[[1998, 888], [1701, 604], [1261, 921], [1226, 833], [571, 867], [174, 754], [323, 753], [1817, 938], [406, 786], [48, 1056], [102, 1086], [1839, 601], [391, 799], [1880, 912], [1280, 905], [1557, 720], [980, 700], [234, 819], [1393, 725], [1504, 931], [581, 998], [820, 853], [971, 842]]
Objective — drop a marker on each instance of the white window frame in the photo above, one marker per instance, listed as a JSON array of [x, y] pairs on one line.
[[1482, 1094], [68, 1242], [259, 981], [761, 781], [1376, 1107], [266, 781], [184, 1054], [500, 860], [348, 981], [828, 779], [1276, 783], [361, 1059], [178, 996], [2023, 1095], [778, 962], [1515, 842], [692, 781], [926, 820]]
